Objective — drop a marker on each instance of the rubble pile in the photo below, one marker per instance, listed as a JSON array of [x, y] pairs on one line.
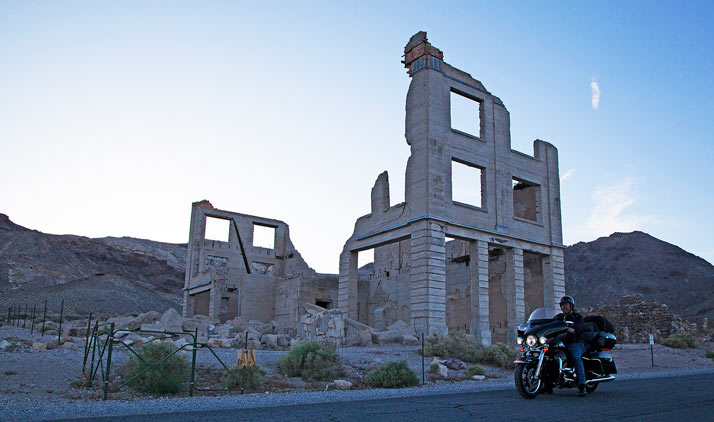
[[635, 319]]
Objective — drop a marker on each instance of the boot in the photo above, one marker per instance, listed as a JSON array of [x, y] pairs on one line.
[[581, 391]]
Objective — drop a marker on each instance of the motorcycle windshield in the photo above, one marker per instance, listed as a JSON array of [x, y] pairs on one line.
[[541, 314]]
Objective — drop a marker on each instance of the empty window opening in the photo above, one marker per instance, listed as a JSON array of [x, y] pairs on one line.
[[365, 262], [465, 114], [263, 236], [526, 200], [217, 229], [327, 304], [466, 184]]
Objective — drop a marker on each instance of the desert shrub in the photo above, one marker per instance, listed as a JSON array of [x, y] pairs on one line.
[[391, 375], [240, 377], [681, 341], [175, 369], [312, 361], [476, 370], [709, 354], [466, 348]]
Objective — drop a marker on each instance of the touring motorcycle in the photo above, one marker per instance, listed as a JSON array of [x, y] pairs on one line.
[[543, 364]]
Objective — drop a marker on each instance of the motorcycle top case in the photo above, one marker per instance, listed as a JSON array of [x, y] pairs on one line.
[[606, 341]]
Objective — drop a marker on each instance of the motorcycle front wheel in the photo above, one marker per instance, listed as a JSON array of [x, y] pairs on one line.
[[527, 383]]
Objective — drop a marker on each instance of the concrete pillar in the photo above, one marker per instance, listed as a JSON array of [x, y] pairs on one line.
[[558, 271], [478, 272], [520, 298], [428, 278], [549, 300], [347, 289]]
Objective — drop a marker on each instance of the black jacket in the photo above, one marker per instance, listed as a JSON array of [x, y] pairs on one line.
[[577, 336]]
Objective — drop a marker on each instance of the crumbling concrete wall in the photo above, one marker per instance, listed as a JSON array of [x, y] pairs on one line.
[[518, 214], [235, 278]]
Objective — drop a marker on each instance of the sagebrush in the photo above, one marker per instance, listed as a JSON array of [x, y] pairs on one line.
[[681, 341], [169, 377], [464, 347], [312, 361], [391, 375], [243, 377]]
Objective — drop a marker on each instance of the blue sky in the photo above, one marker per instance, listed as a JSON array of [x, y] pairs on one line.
[[115, 116]]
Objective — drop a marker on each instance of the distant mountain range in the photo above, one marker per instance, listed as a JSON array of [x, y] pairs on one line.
[[122, 275]]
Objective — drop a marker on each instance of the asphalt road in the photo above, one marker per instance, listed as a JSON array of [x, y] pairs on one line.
[[678, 399]]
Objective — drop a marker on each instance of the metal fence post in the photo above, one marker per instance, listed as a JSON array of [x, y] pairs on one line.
[[9, 315], [59, 331], [423, 377], [110, 340], [34, 310], [24, 317], [193, 362], [86, 341], [17, 320], [44, 318]]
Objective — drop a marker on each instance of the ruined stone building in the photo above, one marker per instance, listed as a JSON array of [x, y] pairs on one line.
[[443, 260], [442, 263], [235, 278]]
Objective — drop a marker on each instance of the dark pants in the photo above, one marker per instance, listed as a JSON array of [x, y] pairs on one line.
[[575, 354]]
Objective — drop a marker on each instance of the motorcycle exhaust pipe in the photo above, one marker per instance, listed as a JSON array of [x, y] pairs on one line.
[[599, 380]]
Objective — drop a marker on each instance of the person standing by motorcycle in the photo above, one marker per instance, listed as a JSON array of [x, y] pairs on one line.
[[574, 340]]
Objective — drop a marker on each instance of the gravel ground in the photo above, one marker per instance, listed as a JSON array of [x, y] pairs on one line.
[[35, 385]]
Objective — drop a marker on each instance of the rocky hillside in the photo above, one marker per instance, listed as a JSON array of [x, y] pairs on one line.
[[101, 275], [602, 271]]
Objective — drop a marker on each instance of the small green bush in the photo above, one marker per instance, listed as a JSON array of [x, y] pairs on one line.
[[466, 348], [240, 377], [391, 375], [312, 361], [175, 370], [476, 370], [709, 354], [681, 341]]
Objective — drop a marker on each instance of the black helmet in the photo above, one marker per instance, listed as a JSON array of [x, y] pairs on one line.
[[568, 299]]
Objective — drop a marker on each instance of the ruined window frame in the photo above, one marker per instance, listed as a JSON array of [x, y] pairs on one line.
[[208, 218], [482, 181], [480, 105], [538, 200], [275, 234]]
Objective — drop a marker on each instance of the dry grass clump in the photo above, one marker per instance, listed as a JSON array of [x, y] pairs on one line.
[[243, 377], [466, 348], [168, 377], [312, 361], [391, 375], [681, 341]]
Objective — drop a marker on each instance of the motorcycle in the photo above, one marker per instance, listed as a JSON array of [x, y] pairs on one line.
[[543, 363]]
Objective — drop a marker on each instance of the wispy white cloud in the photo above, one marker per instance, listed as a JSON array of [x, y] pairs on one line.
[[595, 90], [610, 211], [567, 175]]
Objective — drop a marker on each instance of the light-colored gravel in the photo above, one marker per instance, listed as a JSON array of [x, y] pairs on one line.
[[35, 385]]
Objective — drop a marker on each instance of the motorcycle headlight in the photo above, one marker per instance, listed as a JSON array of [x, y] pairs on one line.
[[542, 340], [519, 340], [531, 340]]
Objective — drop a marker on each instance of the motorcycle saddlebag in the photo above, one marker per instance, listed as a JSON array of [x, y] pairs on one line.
[[608, 363]]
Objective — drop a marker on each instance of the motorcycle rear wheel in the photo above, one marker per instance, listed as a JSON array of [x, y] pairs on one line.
[[527, 383]]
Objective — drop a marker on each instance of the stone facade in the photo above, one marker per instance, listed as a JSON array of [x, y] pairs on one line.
[[441, 264]]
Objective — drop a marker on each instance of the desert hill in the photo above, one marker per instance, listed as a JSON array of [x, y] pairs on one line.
[[602, 271]]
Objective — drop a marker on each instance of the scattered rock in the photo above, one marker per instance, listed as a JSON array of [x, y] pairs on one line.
[[269, 341], [409, 340], [478, 377], [39, 346], [342, 384], [171, 321], [454, 364], [220, 342], [5, 345]]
